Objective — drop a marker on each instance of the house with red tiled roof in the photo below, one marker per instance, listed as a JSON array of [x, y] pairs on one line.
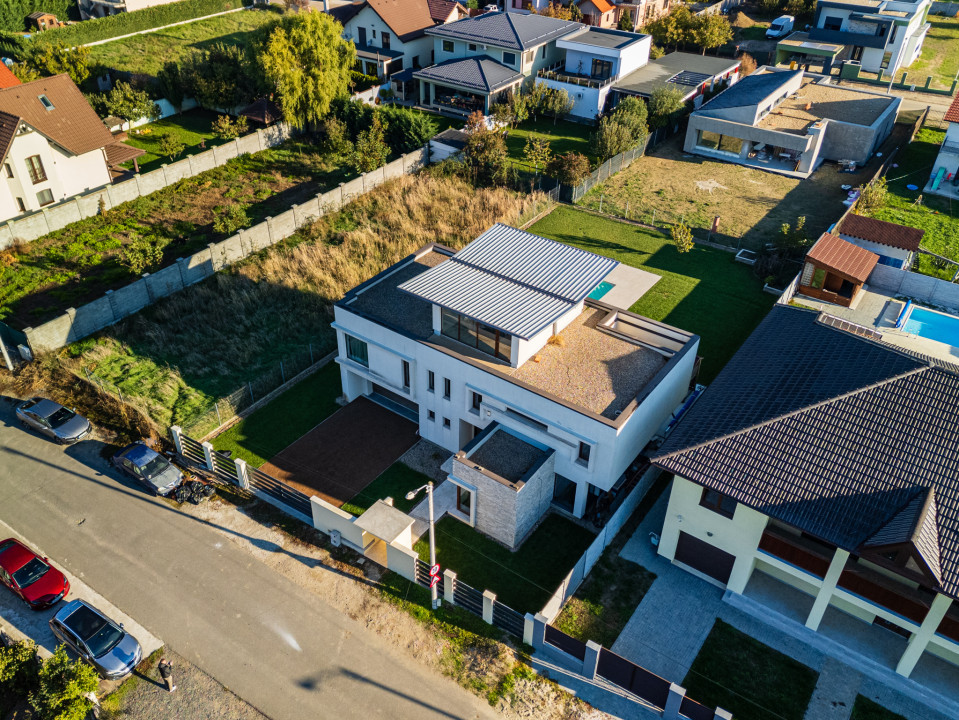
[[944, 179], [896, 245], [52, 145], [7, 78], [835, 270], [599, 13]]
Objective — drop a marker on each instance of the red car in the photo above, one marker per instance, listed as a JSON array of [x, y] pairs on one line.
[[33, 578]]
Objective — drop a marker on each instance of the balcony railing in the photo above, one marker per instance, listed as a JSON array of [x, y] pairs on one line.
[[796, 551], [554, 73], [885, 592], [844, 37]]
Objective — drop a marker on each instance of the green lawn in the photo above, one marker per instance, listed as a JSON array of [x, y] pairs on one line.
[[703, 291], [146, 54], [397, 480], [563, 137], [756, 32], [866, 709], [192, 128], [524, 580], [940, 54], [752, 681], [277, 424], [939, 217]]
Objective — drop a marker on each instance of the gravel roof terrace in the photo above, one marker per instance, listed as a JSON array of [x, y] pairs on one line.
[[506, 455]]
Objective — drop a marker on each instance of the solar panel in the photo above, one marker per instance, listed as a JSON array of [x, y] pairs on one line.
[[850, 327], [690, 78]]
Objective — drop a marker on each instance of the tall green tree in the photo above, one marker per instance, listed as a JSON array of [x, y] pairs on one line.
[[485, 153], [612, 138], [19, 668], [371, 150], [672, 29], [172, 84], [664, 104], [55, 58], [710, 31], [308, 64], [62, 689], [222, 76], [625, 21], [631, 112], [407, 130], [127, 102]]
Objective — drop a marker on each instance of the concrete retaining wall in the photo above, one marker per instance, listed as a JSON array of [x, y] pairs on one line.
[[76, 324], [54, 217], [916, 286]]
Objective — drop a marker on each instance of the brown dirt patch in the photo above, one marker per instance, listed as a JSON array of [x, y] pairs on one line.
[[742, 20], [344, 453]]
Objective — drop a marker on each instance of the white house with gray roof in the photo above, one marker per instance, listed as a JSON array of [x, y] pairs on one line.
[[501, 356]]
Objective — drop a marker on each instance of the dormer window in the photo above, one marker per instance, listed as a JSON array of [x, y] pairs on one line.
[[477, 335], [45, 101]]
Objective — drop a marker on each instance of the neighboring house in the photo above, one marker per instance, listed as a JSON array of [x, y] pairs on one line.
[[819, 474], [896, 245], [594, 60], [599, 13], [480, 59], [880, 34], [101, 8], [645, 11], [694, 75], [388, 34], [43, 20], [447, 11], [446, 144], [545, 396], [788, 121], [798, 48], [7, 78], [944, 179], [835, 270], [52, 145]]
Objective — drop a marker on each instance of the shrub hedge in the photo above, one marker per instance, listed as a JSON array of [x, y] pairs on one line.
[[130, 22]]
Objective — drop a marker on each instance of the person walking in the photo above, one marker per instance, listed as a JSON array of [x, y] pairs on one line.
[[166, 672]]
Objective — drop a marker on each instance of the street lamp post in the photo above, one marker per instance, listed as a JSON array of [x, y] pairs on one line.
[[434, 595]]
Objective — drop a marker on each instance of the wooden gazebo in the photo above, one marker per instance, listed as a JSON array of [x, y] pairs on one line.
[[835, 270]]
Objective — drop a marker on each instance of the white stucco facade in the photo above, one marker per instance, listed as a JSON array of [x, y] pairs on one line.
[[369, 32]]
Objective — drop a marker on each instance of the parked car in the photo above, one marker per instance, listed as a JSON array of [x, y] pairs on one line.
[[780, 27], [53, 420], [492, 7], [149, 467], [110, 649], [31, 577]]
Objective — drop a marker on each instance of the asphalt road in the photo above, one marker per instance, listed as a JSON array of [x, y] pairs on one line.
[[276, 645]]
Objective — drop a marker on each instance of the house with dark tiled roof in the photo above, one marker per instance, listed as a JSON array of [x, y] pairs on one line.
[[944, 179], [822, 467], [52, 145], [896, 245]]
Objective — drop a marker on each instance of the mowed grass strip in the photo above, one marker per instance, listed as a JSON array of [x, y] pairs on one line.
[[703, 291], [751, 680], [563, 137], [281, 422], [397, 480], [147, 54], [524, 580]]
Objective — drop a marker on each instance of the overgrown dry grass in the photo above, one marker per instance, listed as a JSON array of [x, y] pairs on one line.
[[174, 358]]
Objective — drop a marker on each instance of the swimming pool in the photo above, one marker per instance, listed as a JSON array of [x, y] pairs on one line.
[[600, 290], [933, 325]]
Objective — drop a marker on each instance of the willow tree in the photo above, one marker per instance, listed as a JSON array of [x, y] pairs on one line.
[[308, 63]]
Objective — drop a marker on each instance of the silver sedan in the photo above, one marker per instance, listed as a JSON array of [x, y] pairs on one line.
[[53, 420]]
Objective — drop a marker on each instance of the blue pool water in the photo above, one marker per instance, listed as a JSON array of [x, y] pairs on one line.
[[933, 325], [600, 290]]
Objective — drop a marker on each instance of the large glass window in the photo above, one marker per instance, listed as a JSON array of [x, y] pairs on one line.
[[484, 338], [357, 351], [35, 169], [602, 69], [721, 143]]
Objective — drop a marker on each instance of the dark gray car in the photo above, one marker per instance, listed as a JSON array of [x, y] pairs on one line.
[[112, 651], [53, 420], [149, 467]]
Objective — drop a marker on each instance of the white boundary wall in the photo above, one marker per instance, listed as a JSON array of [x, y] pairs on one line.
[[913, 285]]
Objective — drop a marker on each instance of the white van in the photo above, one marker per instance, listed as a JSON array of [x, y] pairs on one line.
[[780, 27]]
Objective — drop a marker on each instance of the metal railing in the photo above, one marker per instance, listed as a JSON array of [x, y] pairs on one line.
[[574, 79]]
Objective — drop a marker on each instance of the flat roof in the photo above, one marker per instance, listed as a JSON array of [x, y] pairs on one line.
[[507, 455], [596, 370], [604, 38], [825, 102], [801, 41], [658, 73]]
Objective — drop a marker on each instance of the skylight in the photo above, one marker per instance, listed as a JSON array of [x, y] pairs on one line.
[[46, 102]]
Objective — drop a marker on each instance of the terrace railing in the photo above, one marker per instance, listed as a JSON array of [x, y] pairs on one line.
[[558, 75]]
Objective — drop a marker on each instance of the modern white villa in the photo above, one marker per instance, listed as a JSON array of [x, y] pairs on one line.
[[501, 356], [822, 467]]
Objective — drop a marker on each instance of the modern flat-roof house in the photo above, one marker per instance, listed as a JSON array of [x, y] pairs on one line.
[[52, 145], [788, 121], [896, 245], [798, 48], [543, 394], [693, 74], [389, 35], [944, 179], [879, 34], [479, 59], [818, 475]]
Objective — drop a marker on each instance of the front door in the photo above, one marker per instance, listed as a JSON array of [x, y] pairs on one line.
[[464, 500]]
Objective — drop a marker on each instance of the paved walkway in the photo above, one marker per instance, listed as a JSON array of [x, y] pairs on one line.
[[674, 618]]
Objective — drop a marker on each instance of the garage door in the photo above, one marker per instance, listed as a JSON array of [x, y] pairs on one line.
[[705, 558]]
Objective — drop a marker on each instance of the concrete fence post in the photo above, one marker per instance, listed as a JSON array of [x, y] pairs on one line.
[[208, 454], [488, 599], [242, 476], [113, 305], [176, 431], [180, 263], [673, 702], [539, 631], [528, 626], [591, 659], [149, 289], [449, 582], [722, 714]]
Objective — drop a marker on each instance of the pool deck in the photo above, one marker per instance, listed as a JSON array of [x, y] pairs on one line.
[[629, 285], [879, 309]]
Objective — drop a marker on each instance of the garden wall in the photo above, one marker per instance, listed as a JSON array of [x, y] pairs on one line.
[[913, 285], [54, 217], [77, 323]]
